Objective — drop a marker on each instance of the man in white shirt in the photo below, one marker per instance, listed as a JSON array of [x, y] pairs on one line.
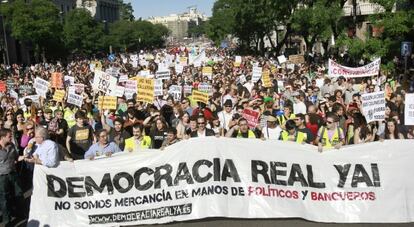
[[47, 152], [226, 115], [272, 130]]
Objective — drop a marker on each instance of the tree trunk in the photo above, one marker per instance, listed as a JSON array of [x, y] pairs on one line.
[[283, 40]]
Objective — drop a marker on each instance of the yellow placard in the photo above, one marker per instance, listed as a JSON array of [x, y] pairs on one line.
[[199, 96], [266, 79], [207, 71], [145, 90], [107, 102], [183, 61], [59, 95]]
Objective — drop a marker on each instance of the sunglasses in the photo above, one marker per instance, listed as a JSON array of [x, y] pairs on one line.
[[8, 114], [329, 122], [201, 123]]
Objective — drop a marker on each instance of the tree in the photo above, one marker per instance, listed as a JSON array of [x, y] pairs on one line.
[[81, 33], [126, 12], [315, 20], [36, 22], [391, 28], [134, 35]]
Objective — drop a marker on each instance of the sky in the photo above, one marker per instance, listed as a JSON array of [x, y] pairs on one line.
[[148, 8]]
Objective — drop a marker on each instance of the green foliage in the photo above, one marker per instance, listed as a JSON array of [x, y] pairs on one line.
[[126, 12], [135, 35], [197, 30], [81, 33], [37, 21]]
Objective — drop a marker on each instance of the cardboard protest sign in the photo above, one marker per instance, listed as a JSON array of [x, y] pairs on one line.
[[69, 80], [237, 61], [41, 86], [256, 74], [122, 78], [297, 59], [199, 96], [3, 87], [104, 82], [175, 91], [183, 61], [252, 117], [59, 95], [188, 89], [145, 90], [118, 92], [75, 99], [158, 87], [57, 80], [208, 71], [179, 68], [281, 59], [163, 75], [373, 106], [130, 88], [107, 102], [266, 79]]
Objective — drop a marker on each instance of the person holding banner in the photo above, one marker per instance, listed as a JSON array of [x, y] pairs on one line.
[[47, 152], [391, 130], [139, 141], [80, 137], [102, 147], [291, 133], [241, 130], [330, 136], [202, 131]]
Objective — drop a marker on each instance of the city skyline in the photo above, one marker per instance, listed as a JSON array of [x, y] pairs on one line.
[[151, 8]]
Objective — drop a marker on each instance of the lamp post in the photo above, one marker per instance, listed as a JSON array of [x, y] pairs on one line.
[[6, 46]]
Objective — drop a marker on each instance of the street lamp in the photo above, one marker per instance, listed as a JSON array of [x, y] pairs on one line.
[[5, 36]]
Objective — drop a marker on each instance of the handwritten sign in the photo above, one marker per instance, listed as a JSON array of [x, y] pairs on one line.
[[59, 95], [163, 75], [57, 80], [104, 82], [266, 79], [200, 96], [158, 87], [175, 91], [208, 71], [75, 99], [107, 102], [145, 90], [257, 74], [41, 86]]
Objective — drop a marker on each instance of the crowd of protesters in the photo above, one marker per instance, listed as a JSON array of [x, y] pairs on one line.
[[302, 105]]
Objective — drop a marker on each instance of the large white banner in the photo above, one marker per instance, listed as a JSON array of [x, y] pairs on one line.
[[371, 69], [409, 109], [373, 106], [236, 178]]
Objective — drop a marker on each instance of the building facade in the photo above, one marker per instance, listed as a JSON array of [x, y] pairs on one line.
[[178, 23]]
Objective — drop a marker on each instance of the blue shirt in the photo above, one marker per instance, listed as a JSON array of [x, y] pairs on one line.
[[96, 150], [48, 153]]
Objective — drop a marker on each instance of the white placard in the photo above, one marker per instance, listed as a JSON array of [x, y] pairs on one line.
[[281, 59], [409, 109], [118, 92], [179, 68], [41, 86], [158, 87], [144, 73], [205, 87], [256, 74], [130, 88], [75, 99], [104, 82], [224, 177], [163, 75], [69, 80], [238, 59], [188, 89], [123, 78], [175, 91], [373, 106]]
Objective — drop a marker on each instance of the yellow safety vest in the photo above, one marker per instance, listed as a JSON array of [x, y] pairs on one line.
[[282, 119], [330, 143], [130, 143], [299, 136], [69, 116], [251, 135]]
